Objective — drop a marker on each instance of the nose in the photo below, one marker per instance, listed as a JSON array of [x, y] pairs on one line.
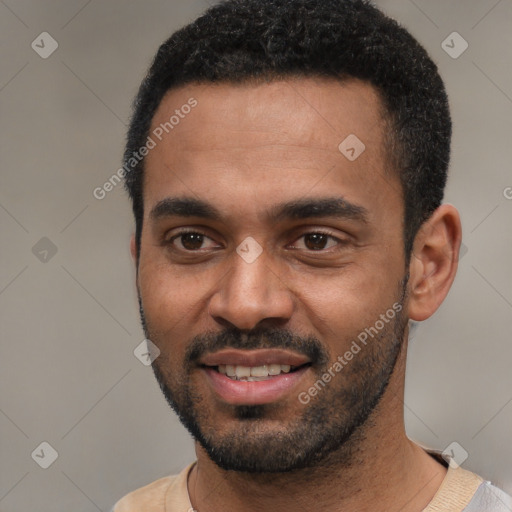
[[250, 294]]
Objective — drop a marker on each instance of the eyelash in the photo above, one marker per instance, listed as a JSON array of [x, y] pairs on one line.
[[329, 234]]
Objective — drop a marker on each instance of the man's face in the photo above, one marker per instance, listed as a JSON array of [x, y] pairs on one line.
[[264, 250]]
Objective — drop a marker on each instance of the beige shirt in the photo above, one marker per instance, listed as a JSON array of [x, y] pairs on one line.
[[460, 491]]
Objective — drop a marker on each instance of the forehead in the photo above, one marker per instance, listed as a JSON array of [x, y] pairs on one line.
[[262, 141], [314, 111]]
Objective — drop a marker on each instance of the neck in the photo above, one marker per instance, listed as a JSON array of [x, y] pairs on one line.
[[378, 468]]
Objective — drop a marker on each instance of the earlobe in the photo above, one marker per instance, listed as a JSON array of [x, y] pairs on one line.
[[434, 261]]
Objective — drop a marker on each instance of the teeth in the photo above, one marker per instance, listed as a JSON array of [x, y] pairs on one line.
[[260, 371], [242, 371], [274, 369], [254, 373]]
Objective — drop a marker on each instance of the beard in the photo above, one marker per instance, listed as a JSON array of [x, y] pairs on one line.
[[259, 438]]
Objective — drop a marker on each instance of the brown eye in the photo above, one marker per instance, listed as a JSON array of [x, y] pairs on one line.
[[191, 241], [316, 241]]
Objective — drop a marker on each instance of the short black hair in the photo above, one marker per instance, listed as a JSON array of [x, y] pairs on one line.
[[243, 40]]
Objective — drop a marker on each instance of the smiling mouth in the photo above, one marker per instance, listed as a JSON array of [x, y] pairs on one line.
[[255, 373]]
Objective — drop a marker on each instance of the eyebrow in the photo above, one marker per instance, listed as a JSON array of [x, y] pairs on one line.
[[307, 208]]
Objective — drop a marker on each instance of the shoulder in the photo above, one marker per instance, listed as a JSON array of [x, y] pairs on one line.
[[150, 498], [163, 495], [489, 498], [463, 490]]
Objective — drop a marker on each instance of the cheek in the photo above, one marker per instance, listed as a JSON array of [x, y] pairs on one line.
[[166, 305], [173, 297], [342, 305], [158, 293]]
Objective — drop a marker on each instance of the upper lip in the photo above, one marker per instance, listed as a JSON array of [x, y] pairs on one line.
[[258, 357]]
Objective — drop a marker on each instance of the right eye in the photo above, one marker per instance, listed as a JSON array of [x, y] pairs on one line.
[[191, 241]]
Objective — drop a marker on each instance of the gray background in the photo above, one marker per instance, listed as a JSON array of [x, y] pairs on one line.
[[70, 320]]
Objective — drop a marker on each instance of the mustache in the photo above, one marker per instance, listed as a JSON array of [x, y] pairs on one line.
[[233, 337]]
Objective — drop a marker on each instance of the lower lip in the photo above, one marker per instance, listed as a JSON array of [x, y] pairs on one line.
[[239, 392]]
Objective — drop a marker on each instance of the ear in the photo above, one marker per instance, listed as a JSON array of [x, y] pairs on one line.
[[133, 250], [434, 262]]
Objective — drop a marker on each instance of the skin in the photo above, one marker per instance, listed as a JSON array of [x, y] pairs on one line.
[[244, 149]]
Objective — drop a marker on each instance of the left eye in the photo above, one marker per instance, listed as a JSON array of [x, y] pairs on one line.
[[318, 241]]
